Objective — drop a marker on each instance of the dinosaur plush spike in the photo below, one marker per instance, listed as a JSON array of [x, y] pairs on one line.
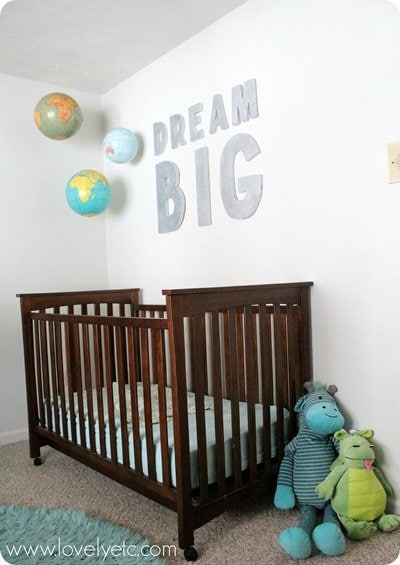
[[358, 490], [332, 389], [305, 464]]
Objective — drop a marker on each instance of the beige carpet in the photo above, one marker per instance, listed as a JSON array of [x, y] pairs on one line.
[[244, 536]]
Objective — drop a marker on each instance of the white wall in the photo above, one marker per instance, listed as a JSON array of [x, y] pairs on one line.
[[44, 246], [328, 87]]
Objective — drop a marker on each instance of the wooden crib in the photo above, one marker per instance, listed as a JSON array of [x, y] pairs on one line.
[[188, 403]]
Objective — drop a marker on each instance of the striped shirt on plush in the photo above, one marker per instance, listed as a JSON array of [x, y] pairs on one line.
[[309, 455], [307, 462]]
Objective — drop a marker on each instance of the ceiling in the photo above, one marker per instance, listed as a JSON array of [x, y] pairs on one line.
[[93, 45]]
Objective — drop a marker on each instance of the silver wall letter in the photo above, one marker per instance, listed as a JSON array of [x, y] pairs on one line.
[[203, 186], [244, 102], [251, 186], [194, 120], [160, 137], [218, 114], [169, 192], [177, 125]]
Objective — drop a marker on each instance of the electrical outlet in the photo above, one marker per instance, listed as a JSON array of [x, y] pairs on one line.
[[394, 161]]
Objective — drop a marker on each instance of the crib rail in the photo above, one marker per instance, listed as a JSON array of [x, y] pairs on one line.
[[79, 301]]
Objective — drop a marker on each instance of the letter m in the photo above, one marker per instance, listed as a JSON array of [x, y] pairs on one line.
[[244, 102]]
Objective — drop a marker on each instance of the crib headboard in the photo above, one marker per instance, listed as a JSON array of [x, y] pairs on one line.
[[274, 319], [44, 301]]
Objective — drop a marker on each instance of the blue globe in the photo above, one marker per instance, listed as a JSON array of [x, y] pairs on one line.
[[88, 192], [120, 145]]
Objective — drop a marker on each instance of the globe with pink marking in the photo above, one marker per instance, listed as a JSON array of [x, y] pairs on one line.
[[120, 145]]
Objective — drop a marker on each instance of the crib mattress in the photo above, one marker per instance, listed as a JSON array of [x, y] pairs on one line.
[[193, 444]]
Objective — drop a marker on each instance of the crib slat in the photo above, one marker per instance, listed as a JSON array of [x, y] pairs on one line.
[[218, 410], [45, 374], [161, 380], [240, 356], [60, 376], [122, 312], [133, 356], [38, 368], [99, 379], [88, 385], [280, 378], [294, 362], [284, 345], [110, 314], [109, 374], [236, 446], [199, 377], [144, 343], [227, 360], [53, 367], [70, 380], [78, 380], [266, 382], [251, 389], [121, 377]]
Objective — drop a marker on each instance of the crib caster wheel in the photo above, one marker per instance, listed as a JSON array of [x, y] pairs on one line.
[[190, 554], [37, 461]]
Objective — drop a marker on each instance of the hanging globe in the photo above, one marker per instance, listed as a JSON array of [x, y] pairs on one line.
[[88, 193], [58, 116], [120, 145]]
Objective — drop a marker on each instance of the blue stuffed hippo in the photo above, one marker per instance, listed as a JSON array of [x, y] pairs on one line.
[[306, 463]]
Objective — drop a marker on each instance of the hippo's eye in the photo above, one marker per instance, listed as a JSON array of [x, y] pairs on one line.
[[320, 398], [324, 407], [356, 445]]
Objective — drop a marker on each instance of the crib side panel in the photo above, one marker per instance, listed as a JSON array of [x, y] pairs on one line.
[[247, 351]]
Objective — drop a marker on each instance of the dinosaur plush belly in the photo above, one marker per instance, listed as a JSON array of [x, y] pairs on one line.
[[360, 495]]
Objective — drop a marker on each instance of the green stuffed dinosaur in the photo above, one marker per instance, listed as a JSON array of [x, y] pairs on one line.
[[358, 490]]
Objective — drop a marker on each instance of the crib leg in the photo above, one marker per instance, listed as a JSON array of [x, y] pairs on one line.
[[186, 535], [34, 449], [190, 554]]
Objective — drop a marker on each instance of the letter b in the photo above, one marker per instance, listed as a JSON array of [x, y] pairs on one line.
[[168, 191]]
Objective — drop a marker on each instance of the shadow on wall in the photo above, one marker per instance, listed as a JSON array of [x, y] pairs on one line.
[[119, 196], [93, 125]]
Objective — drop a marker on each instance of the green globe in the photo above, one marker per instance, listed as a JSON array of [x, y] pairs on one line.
[[58, 116], [88, 193]]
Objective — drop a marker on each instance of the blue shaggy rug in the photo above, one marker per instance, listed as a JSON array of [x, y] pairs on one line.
[[44, 536]]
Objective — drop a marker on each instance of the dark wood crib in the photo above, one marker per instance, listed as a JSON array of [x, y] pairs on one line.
[[188, 403]]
